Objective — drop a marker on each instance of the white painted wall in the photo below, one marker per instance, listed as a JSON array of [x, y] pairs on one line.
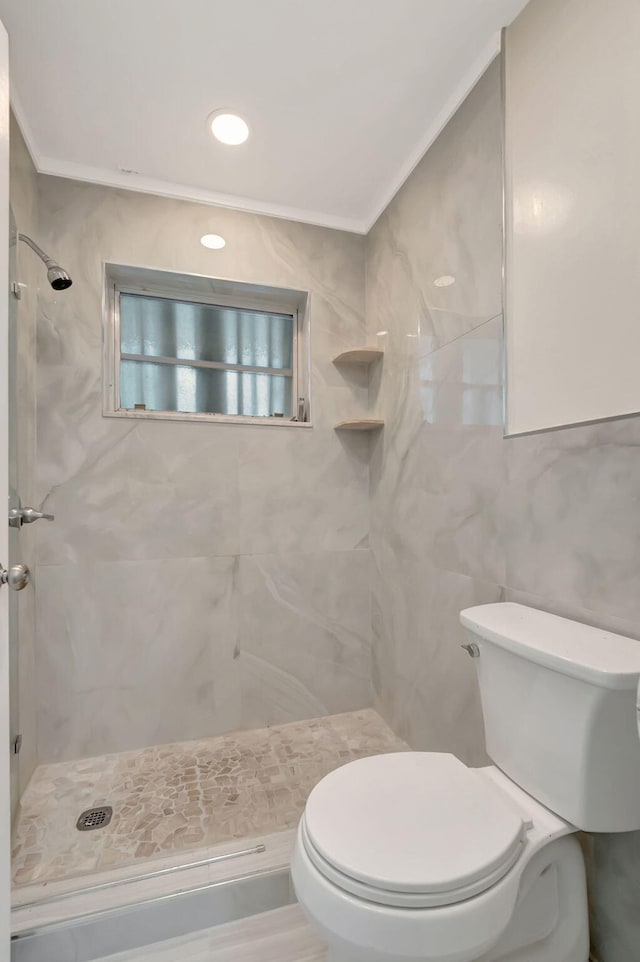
[[573, 213]]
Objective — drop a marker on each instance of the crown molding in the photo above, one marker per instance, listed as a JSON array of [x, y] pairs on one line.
[[461, 91], [53, 167], [147, 185], [163, 188], [25, 127]]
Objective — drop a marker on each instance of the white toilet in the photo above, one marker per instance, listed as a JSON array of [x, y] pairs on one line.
[[415, 856]]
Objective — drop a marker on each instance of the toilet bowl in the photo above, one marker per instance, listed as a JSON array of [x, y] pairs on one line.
[[414, 856]]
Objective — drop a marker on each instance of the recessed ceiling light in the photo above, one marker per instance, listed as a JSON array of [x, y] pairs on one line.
[[213, 241], [228, 128], [445, 281]]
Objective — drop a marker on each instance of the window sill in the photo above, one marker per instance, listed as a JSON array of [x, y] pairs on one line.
[[205, 418]]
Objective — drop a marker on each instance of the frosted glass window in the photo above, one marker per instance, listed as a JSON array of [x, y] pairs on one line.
[[183, 356]]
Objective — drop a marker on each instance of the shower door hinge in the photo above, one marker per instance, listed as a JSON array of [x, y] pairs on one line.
[[16, 744]]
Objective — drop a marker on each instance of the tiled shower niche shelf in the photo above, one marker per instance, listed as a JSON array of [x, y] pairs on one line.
[[359, 424], [359, 355]]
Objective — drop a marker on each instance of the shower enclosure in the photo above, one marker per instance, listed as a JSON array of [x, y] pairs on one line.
[[192, 652], [21, 516], [212, 819], [21, 605]]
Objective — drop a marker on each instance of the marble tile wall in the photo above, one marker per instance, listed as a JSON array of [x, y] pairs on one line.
[[30, 274], [199, 577], [461, 516], [438, 469]]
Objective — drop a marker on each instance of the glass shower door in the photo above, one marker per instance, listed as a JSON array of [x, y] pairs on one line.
[[14, 533]]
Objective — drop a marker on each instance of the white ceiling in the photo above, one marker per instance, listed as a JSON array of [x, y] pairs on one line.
[[343, 97]]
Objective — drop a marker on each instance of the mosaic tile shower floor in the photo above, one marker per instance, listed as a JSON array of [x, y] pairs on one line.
[[185, 796]]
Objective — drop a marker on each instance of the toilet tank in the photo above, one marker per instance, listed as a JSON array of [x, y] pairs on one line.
[[559, 700]]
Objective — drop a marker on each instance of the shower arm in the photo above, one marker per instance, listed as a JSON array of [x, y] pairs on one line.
[[59, 279], [38, 250]]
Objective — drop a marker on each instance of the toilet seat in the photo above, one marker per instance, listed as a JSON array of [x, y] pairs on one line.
[[411, 830]]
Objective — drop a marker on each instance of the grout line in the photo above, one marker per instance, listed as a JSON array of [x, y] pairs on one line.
[[459, 337]]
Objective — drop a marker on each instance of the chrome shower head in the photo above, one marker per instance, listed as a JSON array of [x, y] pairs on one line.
[[56, 275], [58, 278]]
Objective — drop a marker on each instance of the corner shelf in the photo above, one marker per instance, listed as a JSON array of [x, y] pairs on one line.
[[359, 424], [363, 357], [359, 355]]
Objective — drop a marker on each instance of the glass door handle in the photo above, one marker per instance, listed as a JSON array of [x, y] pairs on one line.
[[20, 516], [16, 576]]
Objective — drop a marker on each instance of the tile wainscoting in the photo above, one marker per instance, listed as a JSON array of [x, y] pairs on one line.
[[461, 516]]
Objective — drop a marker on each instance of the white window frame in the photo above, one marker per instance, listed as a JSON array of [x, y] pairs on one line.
[[194, 288]]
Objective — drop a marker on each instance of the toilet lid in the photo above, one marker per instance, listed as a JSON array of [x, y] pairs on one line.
[[413, 822]]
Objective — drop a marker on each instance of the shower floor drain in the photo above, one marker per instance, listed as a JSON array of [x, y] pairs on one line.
[[94, 818]]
